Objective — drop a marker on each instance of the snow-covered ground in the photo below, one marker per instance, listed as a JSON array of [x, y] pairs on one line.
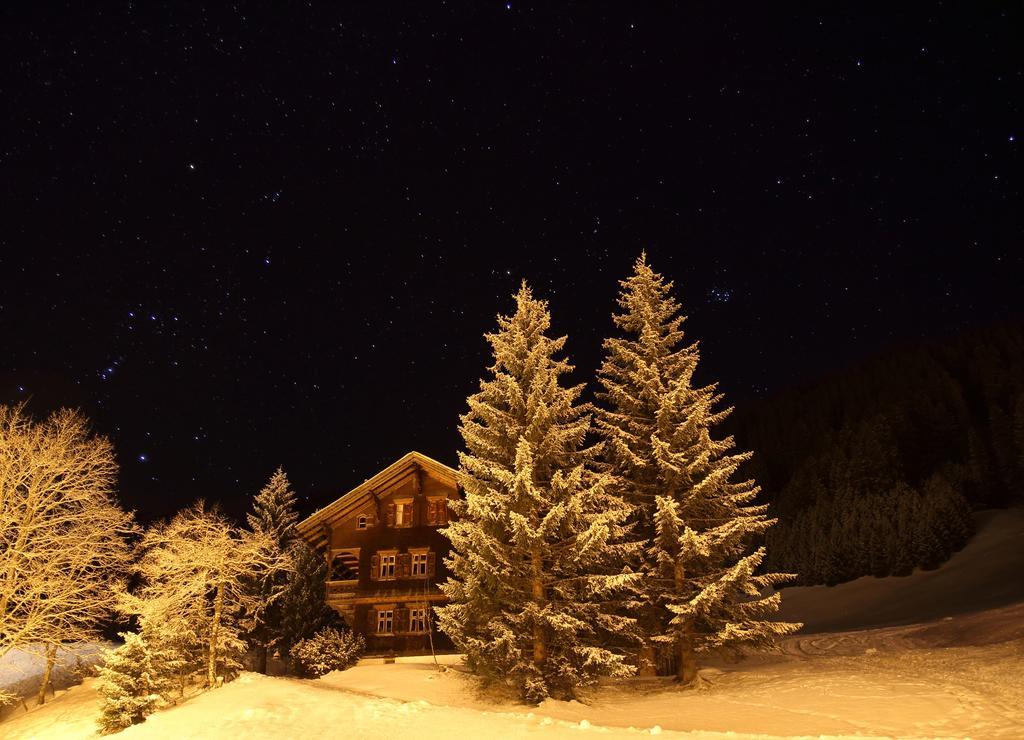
[[898, 682], [955, 673]]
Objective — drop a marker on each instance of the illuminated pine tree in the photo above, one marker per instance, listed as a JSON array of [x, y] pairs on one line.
[[273, 510], [537, 548], [701, 588], [131, 684], [273, 515]]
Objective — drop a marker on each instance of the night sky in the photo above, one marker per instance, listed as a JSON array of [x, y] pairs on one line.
[[265, 234]]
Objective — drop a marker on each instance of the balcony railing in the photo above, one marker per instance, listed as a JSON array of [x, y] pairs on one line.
[[341, 588]]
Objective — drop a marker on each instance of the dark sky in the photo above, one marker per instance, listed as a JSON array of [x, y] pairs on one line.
[[260, 234]]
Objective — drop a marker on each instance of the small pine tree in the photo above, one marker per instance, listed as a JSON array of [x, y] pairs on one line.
[[130, 685], [929, 547], [952, 513], [303, 605], [176, 651], [274, 515], [902, 547], [537, 549], [701, 589]]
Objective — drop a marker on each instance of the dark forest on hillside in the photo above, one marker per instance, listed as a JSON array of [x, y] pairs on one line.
[[876, 470]]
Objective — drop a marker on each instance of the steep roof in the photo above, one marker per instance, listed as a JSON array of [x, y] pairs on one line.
[[309, 528]]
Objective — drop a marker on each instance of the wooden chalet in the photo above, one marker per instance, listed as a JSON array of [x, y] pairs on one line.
[[385, 552]]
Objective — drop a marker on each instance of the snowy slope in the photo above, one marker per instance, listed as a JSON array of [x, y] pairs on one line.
[[956, 675], [988, 572], [894, 682]]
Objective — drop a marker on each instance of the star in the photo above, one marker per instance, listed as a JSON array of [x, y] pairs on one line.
[[720, 295]]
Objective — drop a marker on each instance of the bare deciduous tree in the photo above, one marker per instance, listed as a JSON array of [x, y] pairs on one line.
[[193, 570], [63, 537]]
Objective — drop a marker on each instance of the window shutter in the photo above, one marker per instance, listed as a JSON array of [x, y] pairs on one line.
[[371, 620], [391, 515], [404, 565], [375, 568], [431, 512], [442, 511], [431, 563], [401, 619]]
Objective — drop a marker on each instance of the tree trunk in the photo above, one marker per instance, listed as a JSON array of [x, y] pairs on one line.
[[428, 612], [51, 658], [647, 661], [540, 648], [686, 660], [211, 666], [261, 659]]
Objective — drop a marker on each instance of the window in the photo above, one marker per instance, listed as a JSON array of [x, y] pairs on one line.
[[419, 564], [400, 514], [387, 566], [418, 619], [361, 522], [385, 621], [437, 511]]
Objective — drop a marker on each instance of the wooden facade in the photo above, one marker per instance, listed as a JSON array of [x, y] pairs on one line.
[[386, 554]]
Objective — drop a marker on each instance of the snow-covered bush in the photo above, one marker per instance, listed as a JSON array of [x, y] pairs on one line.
[[328, 650], [85, 668]]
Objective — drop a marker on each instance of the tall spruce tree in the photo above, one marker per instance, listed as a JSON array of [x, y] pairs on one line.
[[538, 545], [273, 514], [702, 589]]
